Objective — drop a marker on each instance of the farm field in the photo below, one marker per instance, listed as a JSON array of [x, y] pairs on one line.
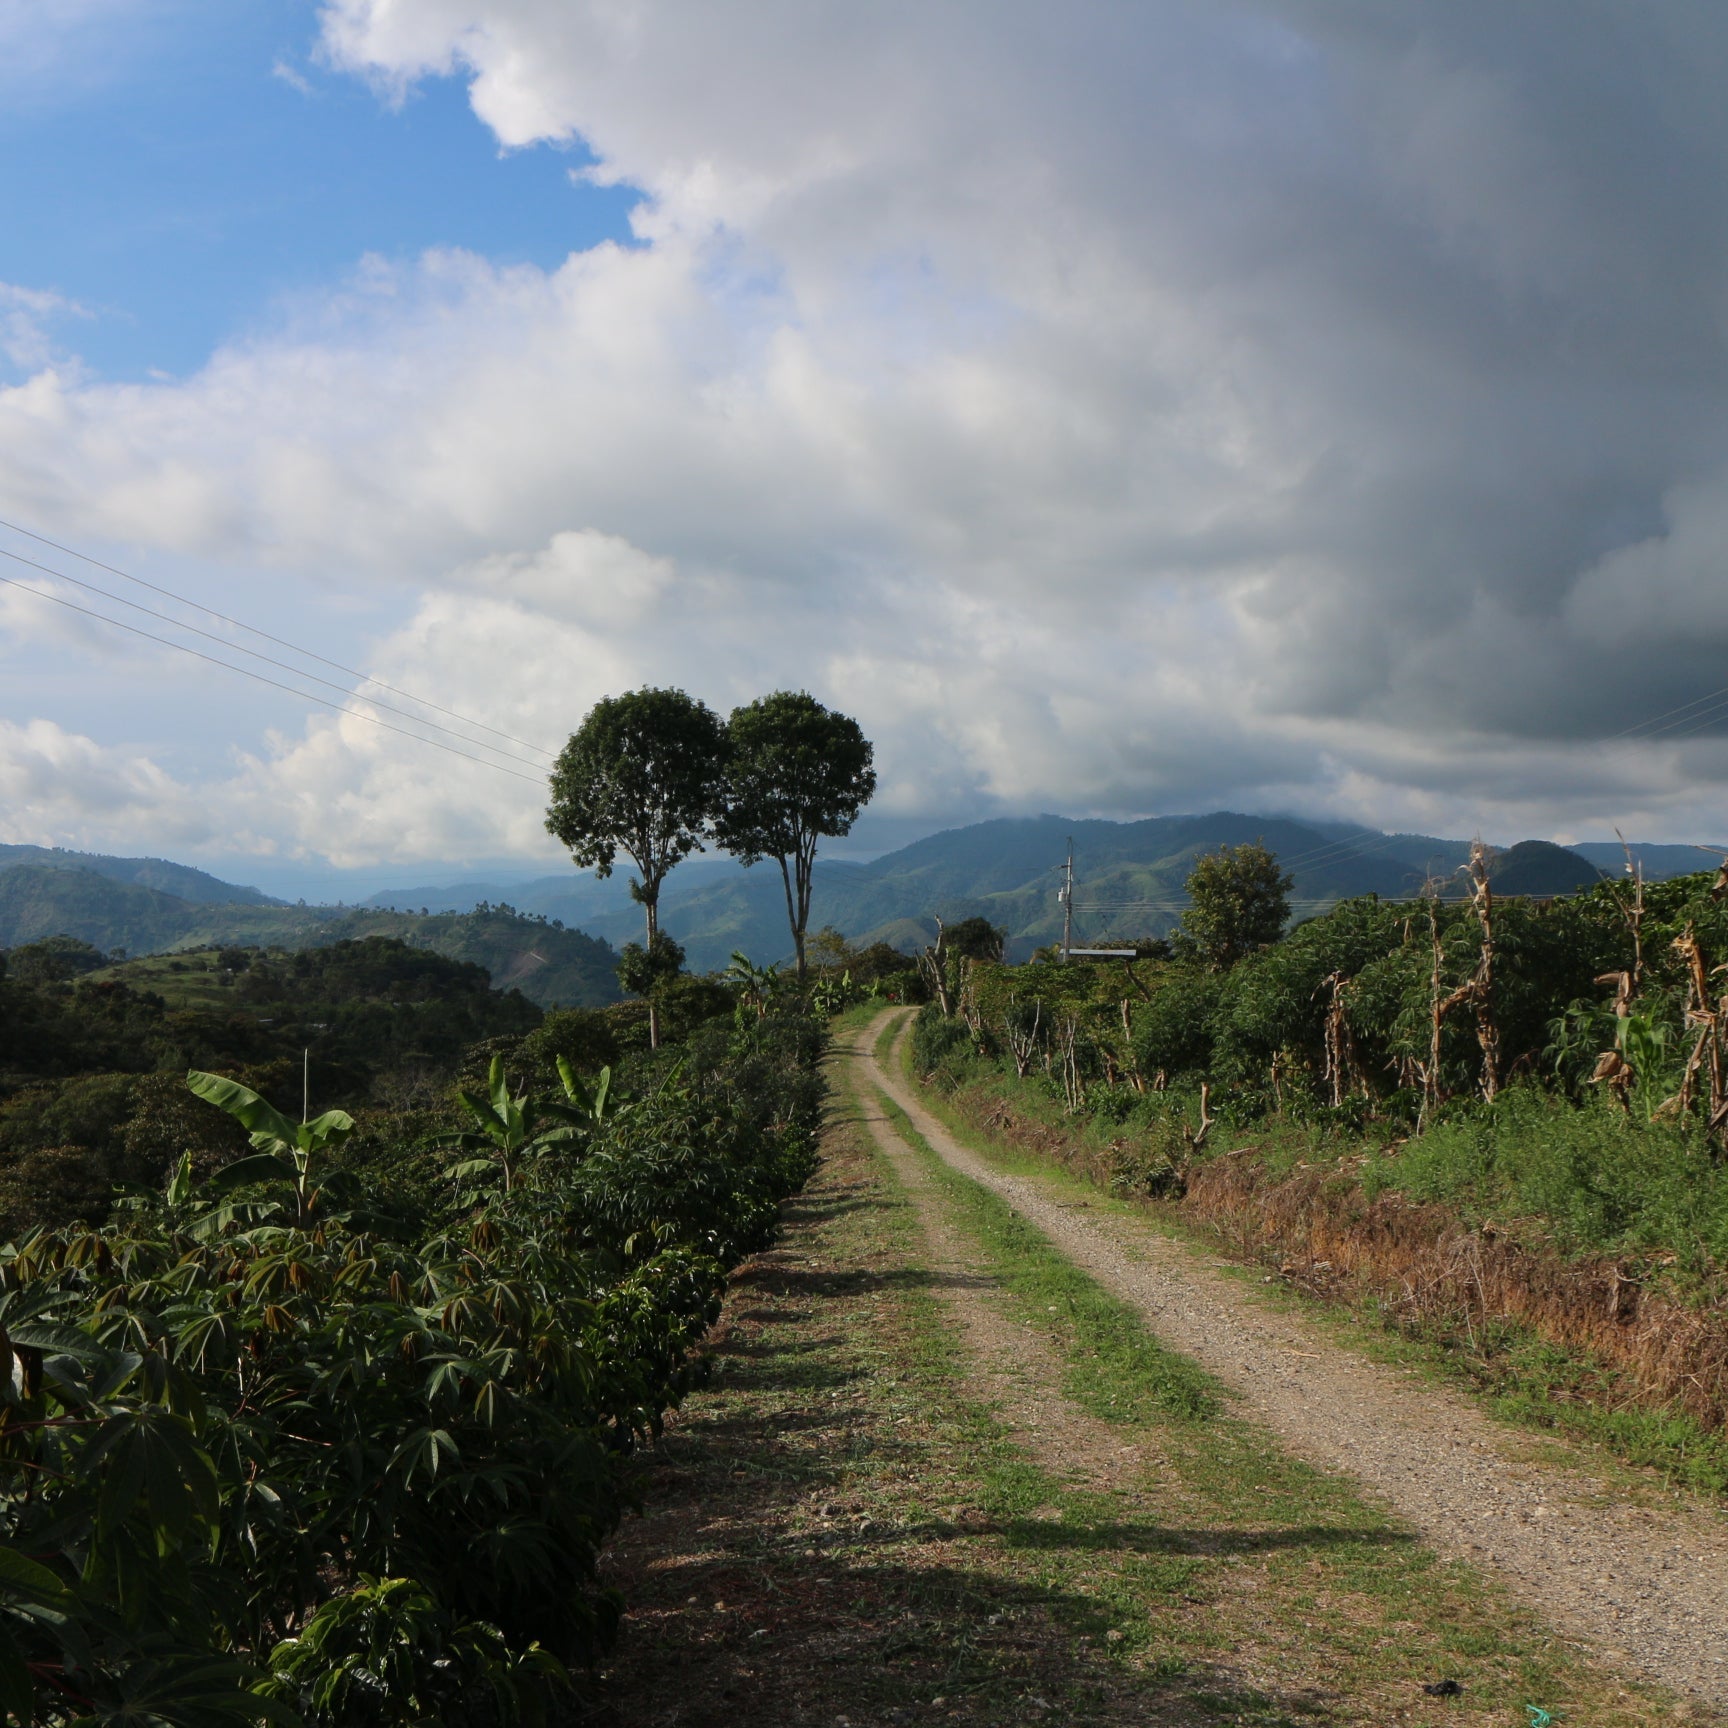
[[944, 1474]]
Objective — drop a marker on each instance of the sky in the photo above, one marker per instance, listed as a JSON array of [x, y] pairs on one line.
[[1121, 409]]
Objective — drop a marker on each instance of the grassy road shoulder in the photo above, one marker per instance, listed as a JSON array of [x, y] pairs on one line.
[[832, 1533]]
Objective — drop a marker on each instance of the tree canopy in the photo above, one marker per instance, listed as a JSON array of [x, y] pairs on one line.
[[797, 772], [976, 938], [1239, 899], [642, 776]]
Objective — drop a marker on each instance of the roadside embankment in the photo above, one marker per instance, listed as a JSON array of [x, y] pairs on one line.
[[1569, 1335]]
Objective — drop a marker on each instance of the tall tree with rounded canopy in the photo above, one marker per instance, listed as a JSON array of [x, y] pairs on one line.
[[1238, 900], [797, 773], [643, 776]]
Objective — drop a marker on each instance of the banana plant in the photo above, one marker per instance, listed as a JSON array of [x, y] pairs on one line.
[[829, 995], [756, 985], [289, 1155], [511, 1128], [588, 1107]]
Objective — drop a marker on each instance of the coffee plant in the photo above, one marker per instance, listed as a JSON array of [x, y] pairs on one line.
[[267, 1459]]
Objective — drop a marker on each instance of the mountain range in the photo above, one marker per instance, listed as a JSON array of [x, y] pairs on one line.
[[1128, 877], [159, 875], [1128, 883]]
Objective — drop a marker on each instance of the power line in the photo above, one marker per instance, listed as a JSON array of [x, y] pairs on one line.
[[1712, 696], [253, 653], [1689, 724], [1335, 850], [265, 636], [258, 677]]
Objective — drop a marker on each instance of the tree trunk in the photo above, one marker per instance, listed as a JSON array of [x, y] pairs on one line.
[[806, 864], [651, 906], [792, 917], [1487, 1028]]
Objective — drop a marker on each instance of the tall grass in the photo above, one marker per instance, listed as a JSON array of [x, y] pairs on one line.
[[1600, 1181]]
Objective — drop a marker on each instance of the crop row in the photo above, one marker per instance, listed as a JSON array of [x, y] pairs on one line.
[[267, 1459]]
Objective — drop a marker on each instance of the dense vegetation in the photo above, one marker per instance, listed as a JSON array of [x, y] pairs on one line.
[[330, 1420], [92, 1056], [551, 965], [1427, 1096]]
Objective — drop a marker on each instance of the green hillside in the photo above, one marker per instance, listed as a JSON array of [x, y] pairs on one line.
[[550, 965], [39, 900], [1129, 884], [162, 874]]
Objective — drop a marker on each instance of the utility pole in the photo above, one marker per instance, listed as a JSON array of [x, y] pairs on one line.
[[1065, 895], [1067, 899], [305, 1083]]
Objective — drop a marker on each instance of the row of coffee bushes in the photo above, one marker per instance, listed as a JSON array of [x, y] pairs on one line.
[[270, 1456]]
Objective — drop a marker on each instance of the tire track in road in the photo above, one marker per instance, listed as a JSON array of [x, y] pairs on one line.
[[1645, 1585]]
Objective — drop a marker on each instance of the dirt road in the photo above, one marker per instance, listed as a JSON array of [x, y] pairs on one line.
[[1642, 1580]]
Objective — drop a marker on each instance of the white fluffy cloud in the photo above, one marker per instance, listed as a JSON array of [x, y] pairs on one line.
[[86, 795], [1129, 409]]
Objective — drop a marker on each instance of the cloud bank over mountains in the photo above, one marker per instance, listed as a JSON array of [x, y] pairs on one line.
[[1119, 409]]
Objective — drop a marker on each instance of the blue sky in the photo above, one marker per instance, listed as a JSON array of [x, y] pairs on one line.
[[182, 169]]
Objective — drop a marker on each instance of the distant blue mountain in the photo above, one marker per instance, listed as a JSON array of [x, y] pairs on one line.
[[1659, 862]]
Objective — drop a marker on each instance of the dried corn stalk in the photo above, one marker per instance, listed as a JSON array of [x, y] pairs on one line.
[[933, 963], [1482, 993], [1711, 1020], [1341, 1071]]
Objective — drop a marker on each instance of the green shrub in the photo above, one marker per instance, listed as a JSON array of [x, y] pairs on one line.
[[1603, 1181], [402, 1434], [941, 1046]]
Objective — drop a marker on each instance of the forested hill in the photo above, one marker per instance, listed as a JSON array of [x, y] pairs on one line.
[[1129, 879], [160, 874], [551, 965]]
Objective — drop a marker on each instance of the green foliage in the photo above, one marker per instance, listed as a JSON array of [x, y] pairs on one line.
[[940, 1046], [757, 986], [1175, 1032], [54, 960], [580, 1036], [975, 939], [1238, 899], [511, 1128], [1318, 1041], [553, 966], [642, 776], [386, 1654], [796, 772], [1602, 1180], [261, 1458], [362, 1008], [290, 1160], [643, 971]]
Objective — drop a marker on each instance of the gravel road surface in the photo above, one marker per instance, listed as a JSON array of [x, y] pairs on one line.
[[1643, 1580]]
